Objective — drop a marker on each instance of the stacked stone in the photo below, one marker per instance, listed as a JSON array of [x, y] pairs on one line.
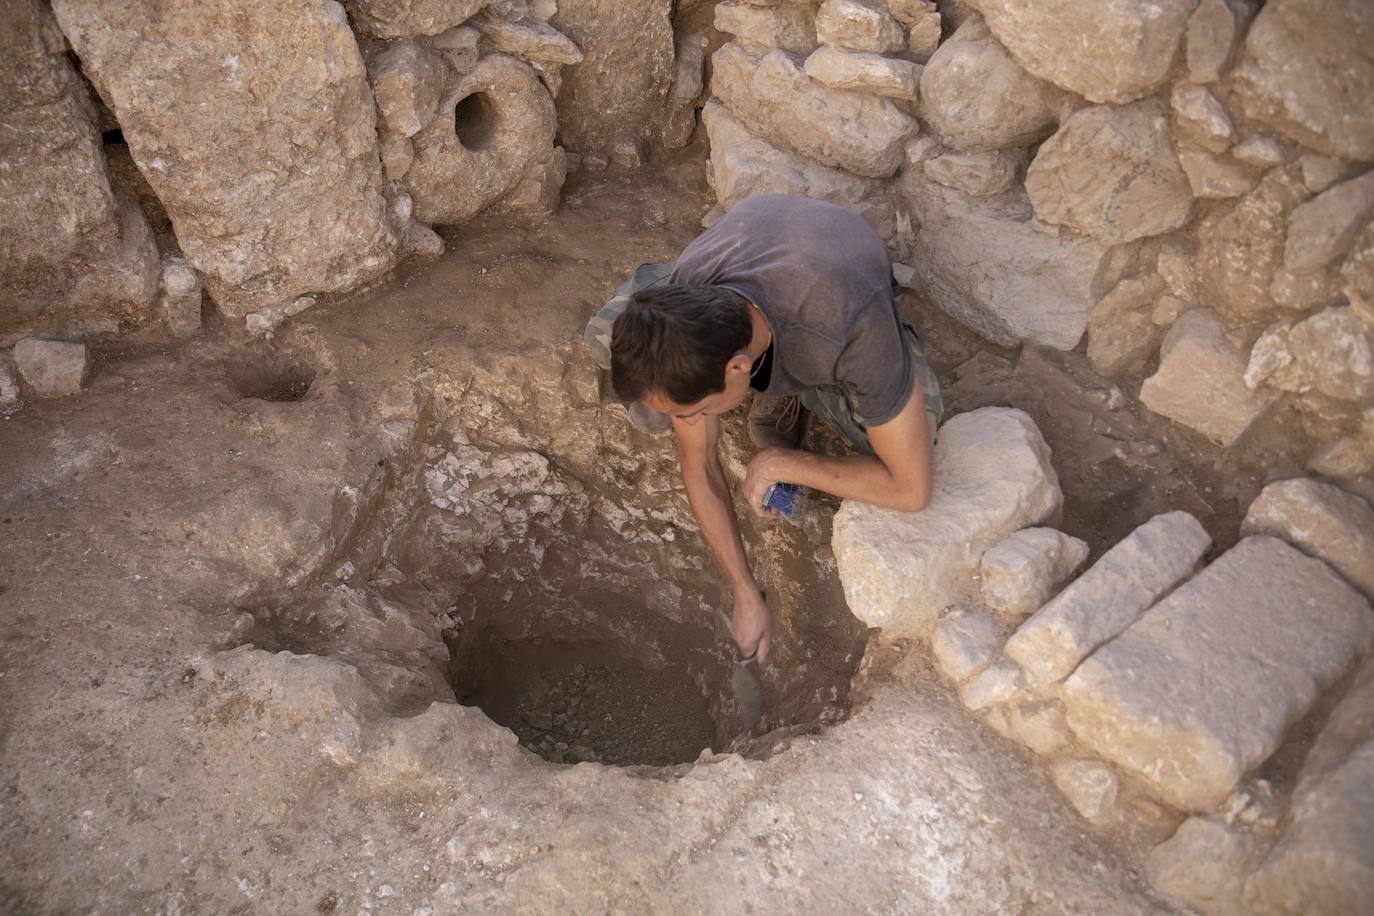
[[1183, 182]]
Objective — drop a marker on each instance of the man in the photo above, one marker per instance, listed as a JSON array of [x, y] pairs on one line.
[[791, 298]]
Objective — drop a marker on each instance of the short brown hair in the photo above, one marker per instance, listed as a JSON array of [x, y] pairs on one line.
[[676, 340]]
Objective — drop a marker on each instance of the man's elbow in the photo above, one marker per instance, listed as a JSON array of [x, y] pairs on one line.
[[912, 501]]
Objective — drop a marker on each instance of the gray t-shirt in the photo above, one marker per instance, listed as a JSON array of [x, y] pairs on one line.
[[823, 280]]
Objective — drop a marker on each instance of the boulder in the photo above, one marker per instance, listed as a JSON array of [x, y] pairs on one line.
[[1206, 683], [76, 254], [790, 26], [859, 26], [1215, 177], [977, 97], [983, 174], [1336, 347], [923, 37], [1200, 380], [1111, 173], [1261, 151], [1038, 724], [1122, 333], [964, 643], [1322, 520], [841, 69], [539, 190], [992, 476], [180, 299], [774, 98], [1240, 246], [1214, 30], [1175, 265], [1107, 52], [1201, 118], [1357, 273], [1020, 573], [409, 18], [999, 684], [1205, 864], [1324, 228], [984, 263], [533, 40], [408, 82], [397, 154], [1305, 70], [619, 93], [52, 368], [1108, 598], [1350, 456], [260, 143], [743, 164], [1324, 862], [495, 124], [1090, 785]]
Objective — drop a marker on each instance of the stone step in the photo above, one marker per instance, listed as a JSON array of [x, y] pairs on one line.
[[1206, 683]]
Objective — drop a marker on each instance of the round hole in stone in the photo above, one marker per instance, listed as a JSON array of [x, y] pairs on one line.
[[474, 121], [272, 382]]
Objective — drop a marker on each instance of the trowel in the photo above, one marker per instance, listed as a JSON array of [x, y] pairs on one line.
[[746, 690]]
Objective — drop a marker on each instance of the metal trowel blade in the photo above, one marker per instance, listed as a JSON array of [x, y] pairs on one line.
[[744, 682]]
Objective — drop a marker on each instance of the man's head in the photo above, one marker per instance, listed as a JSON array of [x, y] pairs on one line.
[[677, 347]]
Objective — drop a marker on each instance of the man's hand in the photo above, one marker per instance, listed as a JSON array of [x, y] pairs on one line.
[[751, 626], [762, 473]]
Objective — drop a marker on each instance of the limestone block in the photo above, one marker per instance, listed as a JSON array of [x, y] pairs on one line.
[[743, 164], [1122, 333], [1200, 381], [457, 46], [978, 98], [1324, 228], [1304, 71], [1090, 785], [264, 322], [923, 37], [1205, 863], [1213, 32], [1322, 520], [1107, 52], [533, 40], [998, 684], [409, 18], [539, 190], [1040, 725], [910, 12], [1261, 151], [859, 26], [75, 254], [965, 642], [841, 69], [791, 26], [1324, 862], [1200, 117], [1111, 173], [1107, 598], [981, 174], [1205, 685], [1357, 273], [1240, 245], [992, 476], [1175, 265], [52, 368], [1350, 456], [497, 122], [260, 143], [397, 154], [1335, 347], [1272, 363], [774, 98], [920, 148], [1167, 309], [9, 380], [180, 299], [983, 262], [619, 93], [1019, 574], [408, 82], [1215, 177], [422, 243]]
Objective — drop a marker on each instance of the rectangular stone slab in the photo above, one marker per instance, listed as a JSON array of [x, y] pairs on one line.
[[1204, 685]]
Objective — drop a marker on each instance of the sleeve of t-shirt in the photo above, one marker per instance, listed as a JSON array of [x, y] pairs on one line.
[[878, 364]]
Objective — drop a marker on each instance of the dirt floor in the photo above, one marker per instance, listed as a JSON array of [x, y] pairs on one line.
[[220, 493]]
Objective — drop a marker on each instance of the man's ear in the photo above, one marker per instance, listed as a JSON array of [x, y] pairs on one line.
[[740, 362]]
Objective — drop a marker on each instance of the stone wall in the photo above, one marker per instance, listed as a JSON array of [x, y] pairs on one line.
[[1180, 188]]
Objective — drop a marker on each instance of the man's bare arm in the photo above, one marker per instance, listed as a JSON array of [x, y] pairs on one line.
[[897, 478], [708, 493]]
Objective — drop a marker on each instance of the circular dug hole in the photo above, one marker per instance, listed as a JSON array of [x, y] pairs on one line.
[[267, 382], [474, 121]]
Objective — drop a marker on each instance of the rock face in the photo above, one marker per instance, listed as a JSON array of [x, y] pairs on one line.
[[1108, 597], [410, 18], [743, 164], [1019, 574], [1111, 173], [977, 98], [502, 122], [1204, 686], [1134, 42], [1321, 519], [772, 95], [618, 95], [52, 368], [1200, 381], [985, 264], [74, 253], [261, 143], [1305, 71], [901, 569]]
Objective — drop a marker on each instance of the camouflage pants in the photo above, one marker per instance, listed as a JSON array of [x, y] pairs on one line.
[[836, 404]]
